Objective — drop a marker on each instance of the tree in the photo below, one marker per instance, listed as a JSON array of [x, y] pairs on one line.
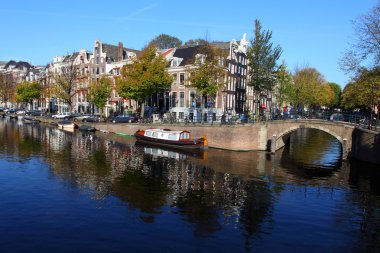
[[285, 91], [262, 61], [65, 80], [6, 87], [366, 48], [207, 74], [337, 94], [196, 42], [146, 75], [363, 91], [164, 41], [307, 83], [27, 91], [99, 92]]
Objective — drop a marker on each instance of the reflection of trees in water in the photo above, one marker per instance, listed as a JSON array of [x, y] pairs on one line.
[[256, 210], [20, 139], [202, 196]]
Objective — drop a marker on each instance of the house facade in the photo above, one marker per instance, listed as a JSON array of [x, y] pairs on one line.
[[185, 102]]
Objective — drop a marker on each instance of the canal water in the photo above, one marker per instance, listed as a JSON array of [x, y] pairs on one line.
[[81, 192]]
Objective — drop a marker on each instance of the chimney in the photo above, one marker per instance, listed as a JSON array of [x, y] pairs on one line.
[[120, 52]]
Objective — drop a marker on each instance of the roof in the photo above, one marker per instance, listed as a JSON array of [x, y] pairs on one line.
[[111, 51], [167, 52], [187, 54], [70, 57]]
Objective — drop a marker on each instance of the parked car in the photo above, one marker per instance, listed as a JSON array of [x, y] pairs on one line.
[[92, 118], [64, 115], [12, 111], [34, 113], [21, 112], [80, 116], [128, 118]]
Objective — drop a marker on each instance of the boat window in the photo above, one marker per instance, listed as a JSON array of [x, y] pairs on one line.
[[148, 133], [155, 134], [172, 137], [185, 135]]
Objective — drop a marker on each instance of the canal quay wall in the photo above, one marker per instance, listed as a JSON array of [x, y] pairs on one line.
[[366, 145], [235, 137], [363, 144]]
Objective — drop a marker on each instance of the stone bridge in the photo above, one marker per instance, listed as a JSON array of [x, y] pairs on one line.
[[278, 133]]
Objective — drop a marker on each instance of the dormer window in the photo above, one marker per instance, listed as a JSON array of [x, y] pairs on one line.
[[175, 63]]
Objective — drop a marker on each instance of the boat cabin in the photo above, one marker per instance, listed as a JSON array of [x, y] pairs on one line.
[[167, 134]]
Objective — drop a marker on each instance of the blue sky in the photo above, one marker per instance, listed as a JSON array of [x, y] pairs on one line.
[[312, 33]]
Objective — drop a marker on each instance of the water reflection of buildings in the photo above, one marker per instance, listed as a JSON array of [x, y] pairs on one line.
[[226, 188]]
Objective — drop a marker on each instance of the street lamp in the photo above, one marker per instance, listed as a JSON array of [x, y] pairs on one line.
[[373, 89], [224, 94]]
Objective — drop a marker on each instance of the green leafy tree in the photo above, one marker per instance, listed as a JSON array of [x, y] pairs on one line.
[[337, 94], [145, 76], [207, 74], [164, 41], [99, 92], [307, 83], [262, 60], [325, 96], [27, 91], [285, 91], [363, 91], [196, 42]]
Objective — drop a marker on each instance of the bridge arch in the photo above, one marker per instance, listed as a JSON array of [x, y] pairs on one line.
[[279, 133]]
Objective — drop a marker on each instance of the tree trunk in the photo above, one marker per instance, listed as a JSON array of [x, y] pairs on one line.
[[142, 109]]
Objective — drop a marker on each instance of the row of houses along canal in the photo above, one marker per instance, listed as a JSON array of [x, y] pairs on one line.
[[74, 191]]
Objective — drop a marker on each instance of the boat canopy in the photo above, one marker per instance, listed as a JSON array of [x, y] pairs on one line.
[[167, 134]]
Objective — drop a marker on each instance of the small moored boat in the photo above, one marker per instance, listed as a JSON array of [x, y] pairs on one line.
[[168, 138], [65, 124], [86, 128], [30, 120]]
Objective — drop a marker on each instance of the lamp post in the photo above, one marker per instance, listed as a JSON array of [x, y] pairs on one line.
[[373, 89], [224, 104], [378, 107]]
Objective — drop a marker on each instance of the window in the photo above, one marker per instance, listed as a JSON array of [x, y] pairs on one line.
[[148, 133], [175, 78], [192, 102], [172, 137], [102, 70], [155, 134], [181, 78], [174, 98], [181, 115], [97, 60], [96, 50], [181, 99]]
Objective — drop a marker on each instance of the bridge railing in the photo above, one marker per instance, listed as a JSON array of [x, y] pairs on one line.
[[355, 119]]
